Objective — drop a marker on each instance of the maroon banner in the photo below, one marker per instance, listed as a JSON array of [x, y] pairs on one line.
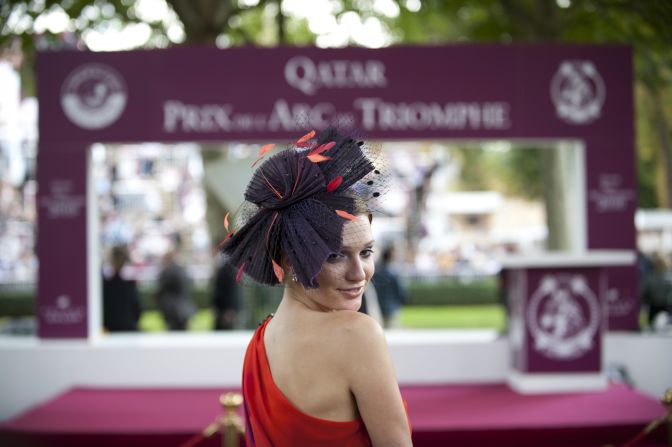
[[61, 243], [570, 92], [192, 93]]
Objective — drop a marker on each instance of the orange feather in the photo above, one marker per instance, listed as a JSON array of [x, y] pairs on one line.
[[322, 148], [306, 137], [263, 150], [279, 272], [346, 215], [317, 158]]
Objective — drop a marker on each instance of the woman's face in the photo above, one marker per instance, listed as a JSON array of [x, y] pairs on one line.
[[344, 276]]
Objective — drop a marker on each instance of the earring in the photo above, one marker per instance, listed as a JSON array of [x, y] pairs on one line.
[[294, 278]]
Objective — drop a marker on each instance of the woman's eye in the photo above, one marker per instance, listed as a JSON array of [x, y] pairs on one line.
[[367, 253], [334, 257]]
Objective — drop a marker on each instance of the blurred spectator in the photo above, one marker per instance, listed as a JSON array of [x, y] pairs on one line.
[[121, 302], [225, 297], [657, 288], [174, 293], [503, 296], [390, 291], [370, 305], [644, 269]]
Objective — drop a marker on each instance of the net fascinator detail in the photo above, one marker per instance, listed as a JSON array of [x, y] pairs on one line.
[[296, 205]]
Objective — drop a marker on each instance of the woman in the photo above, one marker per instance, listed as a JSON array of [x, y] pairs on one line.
[[317, 372]]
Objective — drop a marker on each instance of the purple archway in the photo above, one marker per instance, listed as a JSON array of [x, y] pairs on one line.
[[582, 93]]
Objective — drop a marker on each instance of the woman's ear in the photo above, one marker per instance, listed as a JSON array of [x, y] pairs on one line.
[[290, 275]]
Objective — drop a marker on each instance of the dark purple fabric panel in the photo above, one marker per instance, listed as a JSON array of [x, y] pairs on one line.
[[563, 334], [537, 66], [611, 201], [257, 94], [61, 241], [442, 92], [623, 303], [611, 187]]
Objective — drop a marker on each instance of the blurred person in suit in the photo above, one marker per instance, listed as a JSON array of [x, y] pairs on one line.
[[390, 291], [174, 293], [121, 301], [657, 289], [225, 297]]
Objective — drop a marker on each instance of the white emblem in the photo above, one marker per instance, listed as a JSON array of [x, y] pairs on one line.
[[578, 92], [62, 312], [63, 302], [563, 316], [93, 96]]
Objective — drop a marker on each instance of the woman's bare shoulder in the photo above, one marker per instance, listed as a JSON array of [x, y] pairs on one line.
[[353, 336], [354, 324]]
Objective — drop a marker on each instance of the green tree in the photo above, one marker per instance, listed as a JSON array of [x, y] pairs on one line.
[[223, 23], [645, 25]]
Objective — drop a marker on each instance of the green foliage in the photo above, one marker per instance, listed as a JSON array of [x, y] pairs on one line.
[[521, 172], [646, 26], [515, 172], [643, 25], [647, 157], [472, 168], [16, 301], [442, 292]]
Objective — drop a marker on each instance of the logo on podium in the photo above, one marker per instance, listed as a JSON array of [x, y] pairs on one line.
[[563, 316]]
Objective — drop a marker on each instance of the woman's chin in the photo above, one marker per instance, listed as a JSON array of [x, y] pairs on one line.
[[353, 305]]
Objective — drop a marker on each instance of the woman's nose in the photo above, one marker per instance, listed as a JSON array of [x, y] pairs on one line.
[[356, 271]]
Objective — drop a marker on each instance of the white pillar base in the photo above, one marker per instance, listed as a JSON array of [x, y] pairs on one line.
[[526, 383]]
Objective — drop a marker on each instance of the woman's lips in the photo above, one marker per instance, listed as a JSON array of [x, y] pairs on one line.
[[353, 292]]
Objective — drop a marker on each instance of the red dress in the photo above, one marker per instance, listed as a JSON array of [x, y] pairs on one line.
[[271, 420]]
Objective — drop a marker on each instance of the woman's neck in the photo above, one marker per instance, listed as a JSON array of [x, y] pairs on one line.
[[295, 299]]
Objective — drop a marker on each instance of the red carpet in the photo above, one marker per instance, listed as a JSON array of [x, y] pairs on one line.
[[445, 415]]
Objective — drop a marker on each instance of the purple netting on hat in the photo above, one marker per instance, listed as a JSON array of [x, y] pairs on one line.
[[292, 208]]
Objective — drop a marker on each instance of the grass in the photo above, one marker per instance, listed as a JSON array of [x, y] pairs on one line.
[[421, 317], [152, 321], [490, 316], [418, 317]]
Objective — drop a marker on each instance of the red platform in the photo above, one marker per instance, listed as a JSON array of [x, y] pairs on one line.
[[446, 415]]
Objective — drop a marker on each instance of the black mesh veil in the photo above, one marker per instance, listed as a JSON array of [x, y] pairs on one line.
[[297, 203]]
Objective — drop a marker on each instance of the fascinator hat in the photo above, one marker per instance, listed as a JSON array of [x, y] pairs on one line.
[[296, 205]]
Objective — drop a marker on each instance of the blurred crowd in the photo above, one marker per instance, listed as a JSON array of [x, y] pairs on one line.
[[18, 148], [151, 200], [655, 272], [18, 262]]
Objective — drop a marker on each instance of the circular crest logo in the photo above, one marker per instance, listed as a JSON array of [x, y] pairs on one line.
[[93, 96], [578, 92], [563, 316]]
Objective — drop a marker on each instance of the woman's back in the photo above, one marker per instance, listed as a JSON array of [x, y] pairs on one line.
[[308, 356], [272, 419]]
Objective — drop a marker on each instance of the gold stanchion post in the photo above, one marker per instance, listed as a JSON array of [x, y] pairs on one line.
[[667, 402], [232, 424]]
